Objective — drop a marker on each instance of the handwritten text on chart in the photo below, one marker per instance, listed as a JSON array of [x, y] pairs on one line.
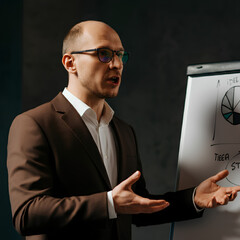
[[221, 157], [235, 165], [232, 81]]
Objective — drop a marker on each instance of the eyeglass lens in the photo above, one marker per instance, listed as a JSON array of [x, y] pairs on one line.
[[106, 55]]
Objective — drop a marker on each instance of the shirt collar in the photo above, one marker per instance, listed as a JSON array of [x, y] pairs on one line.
[[85, 111]]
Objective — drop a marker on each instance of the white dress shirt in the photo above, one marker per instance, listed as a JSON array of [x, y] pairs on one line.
[[103, 137], [102, 134]]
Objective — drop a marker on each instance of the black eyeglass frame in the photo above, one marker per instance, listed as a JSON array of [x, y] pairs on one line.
[[98, 49]]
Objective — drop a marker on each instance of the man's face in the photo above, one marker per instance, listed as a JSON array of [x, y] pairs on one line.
[[97, 79]]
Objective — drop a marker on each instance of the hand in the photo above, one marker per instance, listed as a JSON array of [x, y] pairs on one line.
[[209, 194], [127, 202]]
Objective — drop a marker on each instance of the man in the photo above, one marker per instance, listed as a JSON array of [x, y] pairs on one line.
[[74, 169]]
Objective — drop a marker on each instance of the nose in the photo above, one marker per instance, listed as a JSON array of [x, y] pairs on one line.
[[115, 62]]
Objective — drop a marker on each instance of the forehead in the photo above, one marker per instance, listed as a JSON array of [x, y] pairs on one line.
[[100, 35]]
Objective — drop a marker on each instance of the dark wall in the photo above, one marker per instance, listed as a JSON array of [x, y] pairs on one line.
[[163, 37], [10, 98]]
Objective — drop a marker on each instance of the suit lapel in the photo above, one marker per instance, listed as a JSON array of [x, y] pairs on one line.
[[120, 143], [72, 119]]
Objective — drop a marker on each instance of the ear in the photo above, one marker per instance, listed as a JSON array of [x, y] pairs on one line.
[[68, 62]]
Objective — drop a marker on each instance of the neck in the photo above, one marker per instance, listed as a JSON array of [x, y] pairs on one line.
[[97, 104]]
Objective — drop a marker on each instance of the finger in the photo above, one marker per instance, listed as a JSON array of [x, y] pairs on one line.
[[232, 192], [154, 209], [151, 203], [131, 180], [232, 195], [216, 202], [235, 189], [150, 206], [222, 200], [212, 203], [219, 176]]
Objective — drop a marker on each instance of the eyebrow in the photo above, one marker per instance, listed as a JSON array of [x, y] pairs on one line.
[[120, 49]]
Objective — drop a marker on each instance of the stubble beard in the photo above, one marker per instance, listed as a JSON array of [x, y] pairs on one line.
[[100, 93], [106, 95]]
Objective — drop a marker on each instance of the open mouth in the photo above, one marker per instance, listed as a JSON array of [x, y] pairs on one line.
[[114, 80]]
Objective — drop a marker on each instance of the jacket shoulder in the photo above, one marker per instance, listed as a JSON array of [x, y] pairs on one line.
[[43, 111], [37, 114]]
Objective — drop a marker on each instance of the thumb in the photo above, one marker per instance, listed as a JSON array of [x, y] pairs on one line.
[[219, 176], [131, 180]]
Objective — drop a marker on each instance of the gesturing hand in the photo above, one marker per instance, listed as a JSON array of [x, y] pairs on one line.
[[127, 202], [210, 195]]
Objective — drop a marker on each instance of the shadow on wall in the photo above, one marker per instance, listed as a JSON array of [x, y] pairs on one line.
[[10, 98]]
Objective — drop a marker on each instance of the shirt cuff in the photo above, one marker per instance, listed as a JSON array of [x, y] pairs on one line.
[[111, 210], [197, 208]]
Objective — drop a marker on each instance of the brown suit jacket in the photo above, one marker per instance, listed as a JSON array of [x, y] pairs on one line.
[[58, 183]]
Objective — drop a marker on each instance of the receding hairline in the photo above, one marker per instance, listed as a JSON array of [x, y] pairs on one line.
[[77, 31]]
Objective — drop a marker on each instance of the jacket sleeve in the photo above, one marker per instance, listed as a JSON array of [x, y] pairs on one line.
[[181, 203], [35, 207], [181, 208]]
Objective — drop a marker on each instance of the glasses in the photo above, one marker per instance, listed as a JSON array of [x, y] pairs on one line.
[[106, 55]]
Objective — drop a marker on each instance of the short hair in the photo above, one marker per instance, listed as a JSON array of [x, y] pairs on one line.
[[75, 32]]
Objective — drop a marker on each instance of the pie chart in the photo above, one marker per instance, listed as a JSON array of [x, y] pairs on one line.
[[231, 105]]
